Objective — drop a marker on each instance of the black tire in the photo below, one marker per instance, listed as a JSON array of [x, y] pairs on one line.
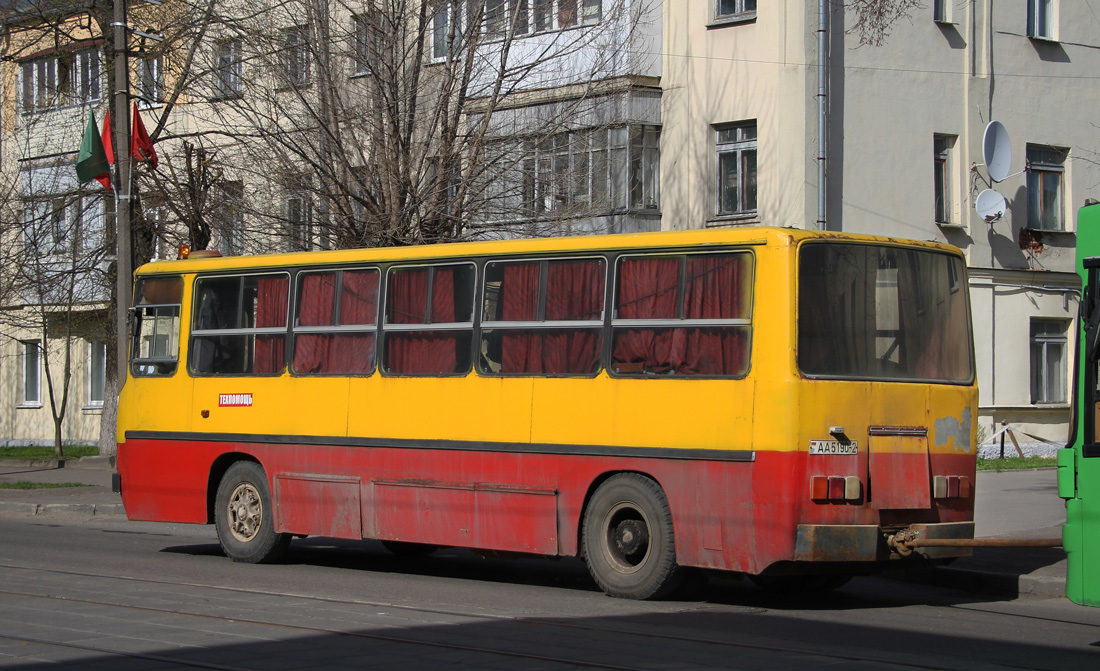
[[800, 584], [242, 514], [628, 540], [406, 549]]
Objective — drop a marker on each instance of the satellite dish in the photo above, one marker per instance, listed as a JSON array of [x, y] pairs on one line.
[[990, 205], [996, 151]]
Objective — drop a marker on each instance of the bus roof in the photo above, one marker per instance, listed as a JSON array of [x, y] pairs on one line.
[[741, 235]]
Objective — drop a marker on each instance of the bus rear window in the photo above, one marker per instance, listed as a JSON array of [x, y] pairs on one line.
[[155, 326], [874, 312]]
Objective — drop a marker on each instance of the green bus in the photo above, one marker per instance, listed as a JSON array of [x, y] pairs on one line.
[[1079, 463]]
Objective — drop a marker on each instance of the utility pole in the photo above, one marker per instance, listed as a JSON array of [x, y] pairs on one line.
[[121, 119]]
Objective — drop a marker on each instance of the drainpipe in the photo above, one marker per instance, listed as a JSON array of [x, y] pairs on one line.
[[822, 97]]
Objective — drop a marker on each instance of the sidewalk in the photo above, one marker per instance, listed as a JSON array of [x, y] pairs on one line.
[[1010, 504], [96, 498]]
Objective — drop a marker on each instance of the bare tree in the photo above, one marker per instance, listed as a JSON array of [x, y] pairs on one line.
[[355, 123], [874, 19]]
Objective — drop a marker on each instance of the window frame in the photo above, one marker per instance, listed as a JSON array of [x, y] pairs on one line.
[[389, 328], [228, 69], [27, 362], [1039, 379], [680, 322], [739, 149], [941, 11], [1039, 169], [97, 373], [943, 183], [238, 331], [60, 79], [295, 58], [1042, 20], [154, 366], [741, 12], [150, 82], [484, 324], [335, 329]]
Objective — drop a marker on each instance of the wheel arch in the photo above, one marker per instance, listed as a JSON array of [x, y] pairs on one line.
[[217, 472]]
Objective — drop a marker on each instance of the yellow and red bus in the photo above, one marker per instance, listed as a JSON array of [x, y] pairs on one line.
[[776, 402]]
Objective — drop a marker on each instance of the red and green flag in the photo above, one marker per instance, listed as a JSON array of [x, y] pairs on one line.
[[91, 162]]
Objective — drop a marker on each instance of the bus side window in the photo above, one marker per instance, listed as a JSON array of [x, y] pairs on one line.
[[543, 317], [156, 324], [429, 320], [239, 325], [337, 313], [683, 315]]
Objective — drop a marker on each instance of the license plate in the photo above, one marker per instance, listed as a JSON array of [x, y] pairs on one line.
[[833, 447]]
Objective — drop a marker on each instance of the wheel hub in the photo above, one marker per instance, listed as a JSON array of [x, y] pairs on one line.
[[245, 512], [631, 537]]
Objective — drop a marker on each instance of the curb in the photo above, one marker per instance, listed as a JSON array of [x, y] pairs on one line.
[[97, 463], [1008, 585], [46, 509]]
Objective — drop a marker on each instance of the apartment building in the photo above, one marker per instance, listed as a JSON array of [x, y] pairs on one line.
[[775, 113]]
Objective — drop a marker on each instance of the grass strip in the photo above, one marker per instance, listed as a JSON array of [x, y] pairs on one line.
[[26, 484]]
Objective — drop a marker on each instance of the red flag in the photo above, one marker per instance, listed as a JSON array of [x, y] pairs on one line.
[[141, 147], [108, 138]]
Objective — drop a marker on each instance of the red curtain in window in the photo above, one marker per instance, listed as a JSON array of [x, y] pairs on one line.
[[521, 351], [315, 308], [271, 308], [422, 352], [353, 353], [716, 289], [574, 292], [647, 290]]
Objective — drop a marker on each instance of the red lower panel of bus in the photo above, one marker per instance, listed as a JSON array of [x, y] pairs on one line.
[[729, 515]]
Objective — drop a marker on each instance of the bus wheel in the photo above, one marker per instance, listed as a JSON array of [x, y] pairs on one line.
[[405, 549], [242, 514], [627, 539]]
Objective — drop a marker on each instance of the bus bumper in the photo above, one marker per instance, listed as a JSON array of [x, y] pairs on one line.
[[867, 542]]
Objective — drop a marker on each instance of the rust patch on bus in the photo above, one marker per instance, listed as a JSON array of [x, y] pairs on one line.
[[957, 429]]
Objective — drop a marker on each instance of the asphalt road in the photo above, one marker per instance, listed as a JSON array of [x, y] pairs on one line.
[[111, 594]]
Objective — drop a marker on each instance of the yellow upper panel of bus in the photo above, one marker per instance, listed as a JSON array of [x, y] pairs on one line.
[[748, 235]]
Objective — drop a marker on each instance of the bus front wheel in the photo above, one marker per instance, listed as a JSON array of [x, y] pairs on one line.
[[242, 515], [628, 541]]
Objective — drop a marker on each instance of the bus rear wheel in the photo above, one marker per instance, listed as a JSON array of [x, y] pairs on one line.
[[242, 515], [628, 540]]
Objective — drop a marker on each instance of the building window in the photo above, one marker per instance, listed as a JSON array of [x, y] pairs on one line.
[[150, 81], [229, 217], [365, 42], [941, 11], [97, 371], [597, 170], [1045, 185], [295, 56], [447, 31], [32, 379], [550, 15], [736, 145], [60, 79], [942, 149], [1040, 19], [299, 216], [56, 224], [229, 70], [734, 9], [1048, 361]]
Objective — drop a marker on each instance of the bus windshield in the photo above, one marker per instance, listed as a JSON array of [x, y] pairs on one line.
[[877, 312]]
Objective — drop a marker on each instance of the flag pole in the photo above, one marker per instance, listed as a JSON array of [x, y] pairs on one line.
[[123, 239]]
